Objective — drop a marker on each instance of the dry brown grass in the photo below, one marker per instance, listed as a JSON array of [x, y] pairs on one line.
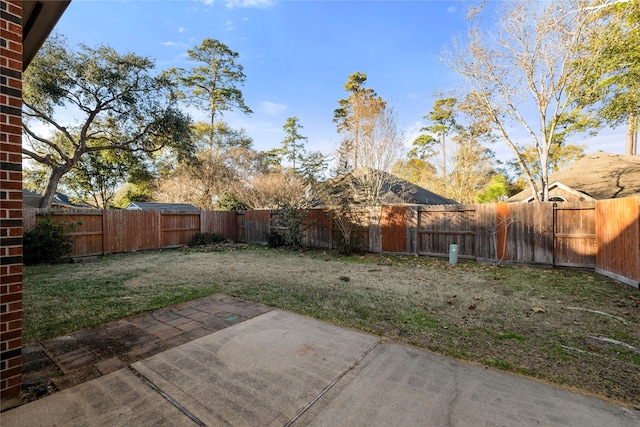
[[569, 328]]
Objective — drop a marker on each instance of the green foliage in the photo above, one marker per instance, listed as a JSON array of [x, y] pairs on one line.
[[356, 119], [275, 239], [213, 84], [288, 223], [118, 105], [293, 142], [443, 123], [94, 180], [48, 241], [559, 157], [416, 171], [612, 84], [423, 147], [34, 178], [313, 167], [231, 202], [497, 190], [201, 239]]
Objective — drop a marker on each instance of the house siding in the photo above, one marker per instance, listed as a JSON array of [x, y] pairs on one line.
[[568, 196], [10, 202]]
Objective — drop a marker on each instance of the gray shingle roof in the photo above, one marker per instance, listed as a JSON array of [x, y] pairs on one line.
[[599, 175], [152, 206]]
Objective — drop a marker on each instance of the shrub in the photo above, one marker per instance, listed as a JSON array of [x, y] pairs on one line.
[[200, 239], [275, 239], [289, 223], [231, 202], [48, 241]]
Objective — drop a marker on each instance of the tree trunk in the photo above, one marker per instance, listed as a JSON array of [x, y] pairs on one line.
[[444, 156], [544, 174], [52, 186], [632, 135]]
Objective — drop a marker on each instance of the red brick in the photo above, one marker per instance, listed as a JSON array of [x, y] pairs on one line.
[[16, 380], [11, 317], [11, 335], [15, 271], [4, 299], [14, 8], [15, 362], [16, 287], [13, 344], [15, 306], [15, 371], [16, 324], [9, 391], [11, 55]]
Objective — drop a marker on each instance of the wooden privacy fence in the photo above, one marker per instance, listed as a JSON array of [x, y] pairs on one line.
[[112, 231], [541, 233], [604, 235]]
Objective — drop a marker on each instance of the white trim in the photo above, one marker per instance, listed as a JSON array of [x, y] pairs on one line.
[[561, 186]]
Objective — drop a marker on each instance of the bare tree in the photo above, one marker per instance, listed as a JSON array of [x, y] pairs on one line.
[[528, 64], [353, 194], [272, 191]]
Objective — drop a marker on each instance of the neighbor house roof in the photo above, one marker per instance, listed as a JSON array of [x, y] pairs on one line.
[[30, 198], [404, 191], [598, 176], [416, 195], [152, 206]]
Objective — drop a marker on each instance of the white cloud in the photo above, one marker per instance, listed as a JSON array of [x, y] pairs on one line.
[[230, 26], [168, 44], [451, 9], [271, 108], [182, 29], [232, 4], [262, 4]]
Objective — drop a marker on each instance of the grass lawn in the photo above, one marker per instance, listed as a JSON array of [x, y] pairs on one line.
[[570, 328]]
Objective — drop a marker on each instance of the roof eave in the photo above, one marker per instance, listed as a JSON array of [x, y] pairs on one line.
[[38, 20]]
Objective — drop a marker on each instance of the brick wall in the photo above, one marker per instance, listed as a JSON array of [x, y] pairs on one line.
[[10, 202]]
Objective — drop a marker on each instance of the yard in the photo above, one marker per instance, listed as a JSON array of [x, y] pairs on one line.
[[574, 329]]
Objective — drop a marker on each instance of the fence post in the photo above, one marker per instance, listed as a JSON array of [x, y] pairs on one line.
[[105, 233], [375, 230], [159, 221], [502, 219], [412, 230]]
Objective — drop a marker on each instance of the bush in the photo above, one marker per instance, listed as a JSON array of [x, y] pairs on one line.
[[288, 221], [275, 239], [48, 242], [200, 239]]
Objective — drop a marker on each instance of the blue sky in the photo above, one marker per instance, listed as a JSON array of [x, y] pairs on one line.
[[297, 55]]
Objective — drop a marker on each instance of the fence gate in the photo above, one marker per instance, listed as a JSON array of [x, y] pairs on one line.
[[393, 224], [441, 226], [574, 235]]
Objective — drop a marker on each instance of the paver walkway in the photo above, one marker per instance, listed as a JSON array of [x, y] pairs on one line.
[[66, 361]]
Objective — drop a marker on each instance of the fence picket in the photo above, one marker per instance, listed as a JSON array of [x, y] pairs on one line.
[[603, 235]]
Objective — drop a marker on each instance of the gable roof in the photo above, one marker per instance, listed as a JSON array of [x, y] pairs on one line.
[[397, 190], [599, 176], [32, 199], [416, 195], [152, 206]]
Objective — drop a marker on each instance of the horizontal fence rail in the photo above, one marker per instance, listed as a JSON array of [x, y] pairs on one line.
[[603, 235]]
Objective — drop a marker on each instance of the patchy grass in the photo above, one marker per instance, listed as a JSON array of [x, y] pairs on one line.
[[569, 328]]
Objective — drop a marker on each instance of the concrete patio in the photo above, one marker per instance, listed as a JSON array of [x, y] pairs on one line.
[[279, 368]]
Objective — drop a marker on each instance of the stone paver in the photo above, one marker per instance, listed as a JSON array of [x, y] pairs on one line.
[[76, 358]]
